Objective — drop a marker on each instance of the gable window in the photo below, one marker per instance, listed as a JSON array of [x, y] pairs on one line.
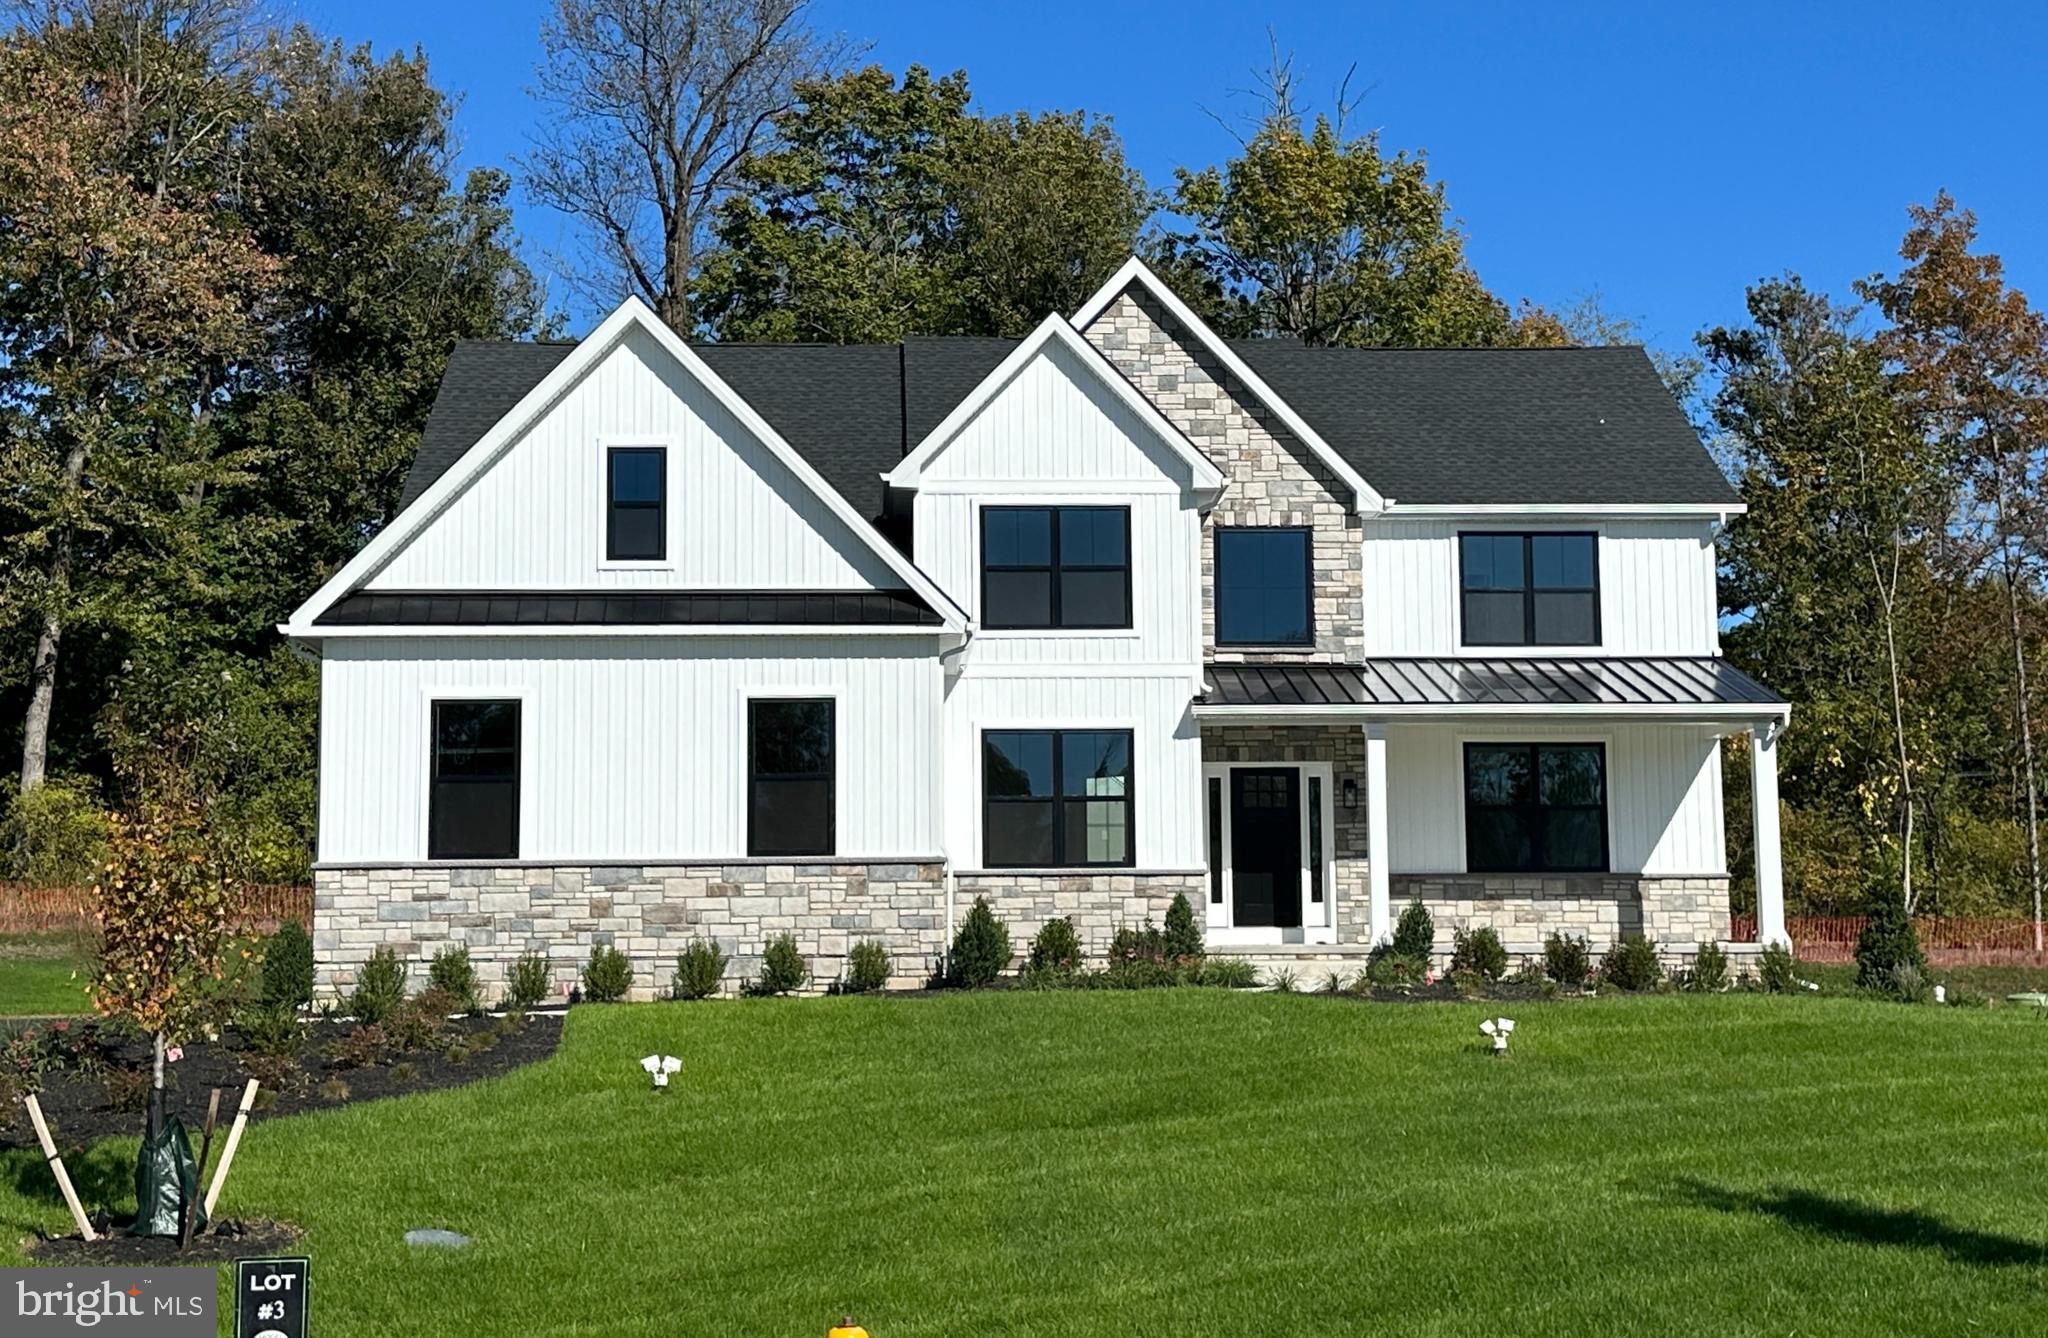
[[1056, 798], [1263, 580], [1530, 589], [636, 504], [473, 795], [790, 776], [1055, 566], [1535, 807]]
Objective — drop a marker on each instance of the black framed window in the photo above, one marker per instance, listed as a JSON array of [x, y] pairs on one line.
[[473, 796], [1535, 807], [1264, 577], [790, 776], [1530, 589], [636, 504], [1056, 566], [1056, 798]]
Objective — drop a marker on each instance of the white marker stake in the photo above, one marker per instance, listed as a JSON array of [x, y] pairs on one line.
[[35, 1114], [227, 1152]]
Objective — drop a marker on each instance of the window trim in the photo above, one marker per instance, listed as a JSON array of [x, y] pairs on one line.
[[430, 701], [1059, 815], [1530, 589], [1308, 574], [1535, 746], [1053, 569], [607, 549], [831, 705]]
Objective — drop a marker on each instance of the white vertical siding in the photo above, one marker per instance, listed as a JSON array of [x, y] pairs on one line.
[[1663, 784], [635, 747], [737, 517], [1657, 586]]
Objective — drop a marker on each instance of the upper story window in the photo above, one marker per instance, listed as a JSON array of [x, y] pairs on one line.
[[1055, 566], [1530, 589], [1263, 581], [1056, 798], [1535, 807], [636, 504], [790, 776], [473, 794]]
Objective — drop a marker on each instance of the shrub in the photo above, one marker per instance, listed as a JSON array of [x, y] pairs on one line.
[[481, 1041], [1055, 948], [128, 1088], [1631, 964], [56, 835], [288, 966], [1886, 943], [1141, 974], [981, 948], [1908, 984], [530, 982], [457, 1053], [1709, 974], [867, 966], [1774, 969], [334, 1089], [1415, 932], [1183, 937], [607, 975], [783, 968], [1284, 981], [700, 968], [1480, 952], [364, 1045], [1390, 968], [1469, 984], [270, 1029], [1568, 959], [451, 971], [1228, 973], [405, 1072], [380, 989], [1144, 944], [421, 1021], [273, 1073]]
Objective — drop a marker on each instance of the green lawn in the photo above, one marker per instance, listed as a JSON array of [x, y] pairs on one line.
[[1191, 1162], [42, 974]]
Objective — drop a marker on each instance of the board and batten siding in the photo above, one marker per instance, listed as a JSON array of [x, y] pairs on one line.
[[1664, 799], [635, 748], [738, 518], [1657, 586]]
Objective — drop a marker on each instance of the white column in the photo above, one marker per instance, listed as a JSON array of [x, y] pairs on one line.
[[1770, 868], [1378, 866]]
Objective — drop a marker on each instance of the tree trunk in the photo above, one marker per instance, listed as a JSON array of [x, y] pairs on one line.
[[156, 1086], [2026, 713], [1888, 595], [42, 673]]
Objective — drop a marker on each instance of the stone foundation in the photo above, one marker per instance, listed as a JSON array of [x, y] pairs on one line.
[[648, 913], [1099, 904], [1677, 914]]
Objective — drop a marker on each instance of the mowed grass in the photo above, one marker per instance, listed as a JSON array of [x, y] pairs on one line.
[[1193, 1162], [43, 974]]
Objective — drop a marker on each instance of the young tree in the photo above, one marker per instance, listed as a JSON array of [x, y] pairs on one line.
[[655, 104]]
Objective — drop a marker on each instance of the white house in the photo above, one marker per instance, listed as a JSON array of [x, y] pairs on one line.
[[673, 640]]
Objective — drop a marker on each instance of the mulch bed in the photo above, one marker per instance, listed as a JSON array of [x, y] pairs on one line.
[[80, 1109], [228, 1240]]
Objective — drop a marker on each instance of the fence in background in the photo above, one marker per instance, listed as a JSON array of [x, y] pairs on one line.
[[1946, 941], [260, 907]]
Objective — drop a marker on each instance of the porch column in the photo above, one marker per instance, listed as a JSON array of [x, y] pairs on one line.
[[1377, 864], [1770, 869]]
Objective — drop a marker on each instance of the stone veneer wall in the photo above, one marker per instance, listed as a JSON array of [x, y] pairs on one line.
[[648, 913], [1271, 477], [1677, 914], [1099, 904], [1344, 748]]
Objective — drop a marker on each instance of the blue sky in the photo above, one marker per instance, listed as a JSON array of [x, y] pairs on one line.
[[1664, 155]]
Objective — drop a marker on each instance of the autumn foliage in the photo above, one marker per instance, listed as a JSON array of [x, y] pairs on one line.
[[164, 916]]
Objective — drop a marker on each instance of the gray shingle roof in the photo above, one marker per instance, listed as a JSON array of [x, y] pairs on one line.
[[1592, 681]]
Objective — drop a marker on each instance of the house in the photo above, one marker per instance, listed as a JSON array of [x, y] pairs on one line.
[[672, 640]]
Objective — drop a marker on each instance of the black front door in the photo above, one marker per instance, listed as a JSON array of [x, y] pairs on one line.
[[1265, 846]]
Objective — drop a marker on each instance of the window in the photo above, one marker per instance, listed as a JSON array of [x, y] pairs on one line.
[[1530, 589], [1535, 807], [1066, 566], [1215, 840], [1056, 798], [1263, 578], [473, 799], [790, 777], [636, 504]]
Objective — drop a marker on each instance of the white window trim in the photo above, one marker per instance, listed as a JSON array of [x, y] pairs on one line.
[[1461, 737], [669, 511], [835, 692], [1229, 935], [528, 792]]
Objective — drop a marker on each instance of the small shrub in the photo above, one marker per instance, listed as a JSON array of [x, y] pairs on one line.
[[981, 948], [1055, 948], [1143, 944], [1183, 937], [288, 966], [1968, 998], [530, 983], [334, 1089], [1709, 974], [362, 1047], [700, 969], [1568, 959], [266, 1097], [1228, 973], [1631, 964], [407, 1071], [420, 1022], [270, 1029], [1415, 932], [451, 971], [510, 1024], [1389, 968], [482, 1041], [1479, 951], [380, 989], [1908, 984], [1284, 981], [607, 975], [1333, 982], [1774, 969], [128, 1089], [867, 966], [457, 1053], [1469, 984], [56, 835], [274, 1073], [1530, 974], [1886, 943], [783, 968]]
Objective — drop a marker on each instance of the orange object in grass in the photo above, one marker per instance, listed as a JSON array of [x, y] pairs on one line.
[[846, 1328]]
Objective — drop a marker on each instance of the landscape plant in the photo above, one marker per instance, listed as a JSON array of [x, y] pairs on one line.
[[608, 975], [1480, 952], [1183, 936], [452, 972], [1709, 973], [867, 966], [529, 982], [1888, 942], [1568, 959], [1415, 932], [783, 968], [700, 969], [288, 966], [1055, 949], [1774, 967], [1631, 964], [380, 987], [981, 948]]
